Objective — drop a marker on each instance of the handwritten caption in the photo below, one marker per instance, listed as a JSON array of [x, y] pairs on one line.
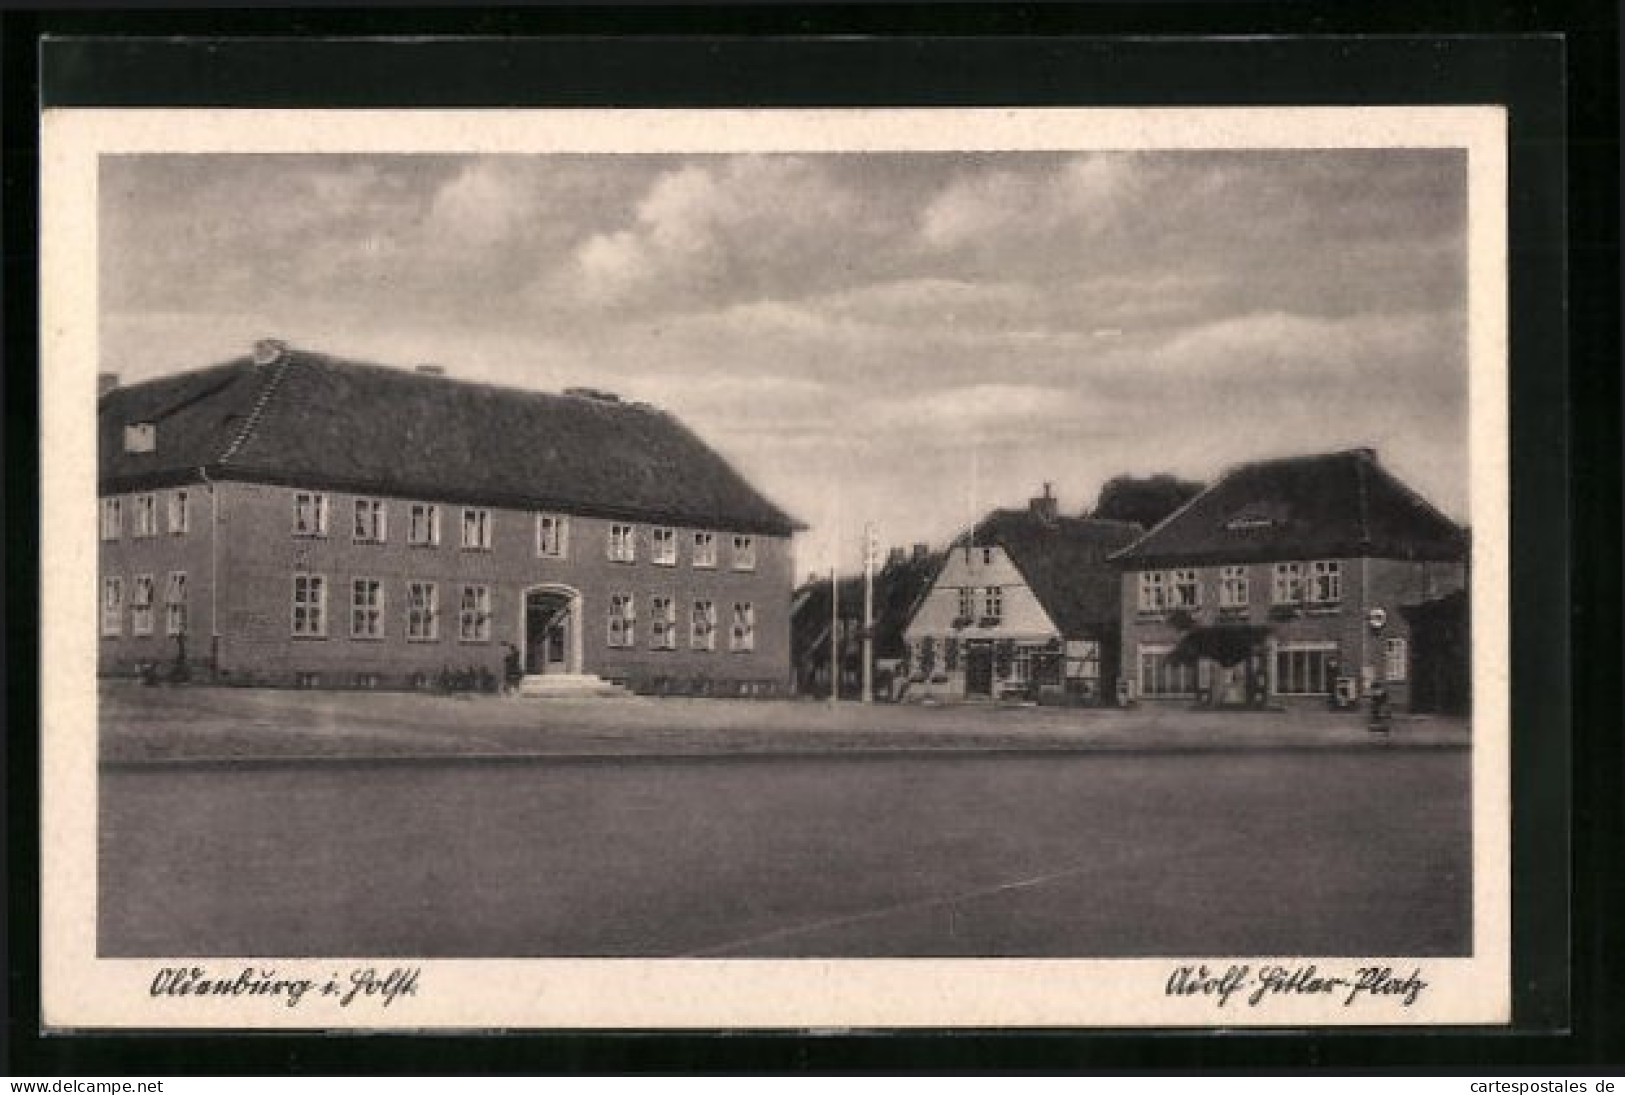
[[1257, 986], [368, 985]]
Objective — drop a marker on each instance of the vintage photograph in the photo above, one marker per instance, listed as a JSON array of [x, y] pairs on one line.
[[1070, 551]]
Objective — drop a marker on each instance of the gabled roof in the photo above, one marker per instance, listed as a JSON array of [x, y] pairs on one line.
[[1064, 561], [310, 419], [1332, 505]]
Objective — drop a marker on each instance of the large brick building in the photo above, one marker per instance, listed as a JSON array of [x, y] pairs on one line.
[[1292, 581], [291, 518]]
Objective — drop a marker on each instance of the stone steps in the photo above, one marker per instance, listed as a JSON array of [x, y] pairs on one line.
[[569, 686]]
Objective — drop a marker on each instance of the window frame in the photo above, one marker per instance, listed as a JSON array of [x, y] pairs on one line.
[[144, 525], [1311, 650], [744, 551], [112, 605], [141, 614], [1180, 581], [483, 527], [476, 618], [706, 559], [742, 629], [179, 506], [663, 546], [1153, 591], [369, 521], [1286, 575], [967, 602], [1161, 672], [422, 610], [112, 519], [372, 614], [552, 536], [621, 542], [176, 610], [1329, 570], [621, 631], [322, 503], [418, 513], [1232, 578], [662, 621], [318, 603], [1392, 645], [993, 603], [702, 624]]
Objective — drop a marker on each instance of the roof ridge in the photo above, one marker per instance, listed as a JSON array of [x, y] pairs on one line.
[[1126, 552], [257, 412]]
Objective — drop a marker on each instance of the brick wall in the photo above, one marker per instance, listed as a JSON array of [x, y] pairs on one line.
[[1366, 584], [259, 555], [168, 550]]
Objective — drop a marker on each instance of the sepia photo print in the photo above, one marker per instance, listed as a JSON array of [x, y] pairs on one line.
[[776, 569]]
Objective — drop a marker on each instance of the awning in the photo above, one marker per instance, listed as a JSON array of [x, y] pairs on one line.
[[1227, 644]]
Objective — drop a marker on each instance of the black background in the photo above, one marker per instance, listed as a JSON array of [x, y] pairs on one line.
[[1556, 67]]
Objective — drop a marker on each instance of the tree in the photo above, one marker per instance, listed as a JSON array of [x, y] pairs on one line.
[[1144, 501]]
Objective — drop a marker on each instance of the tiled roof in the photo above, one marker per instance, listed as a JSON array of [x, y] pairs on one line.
[[1064, 561], [1332, 505], [308, 418]]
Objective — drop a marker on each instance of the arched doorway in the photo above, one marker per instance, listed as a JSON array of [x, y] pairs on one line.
[[550, 631]]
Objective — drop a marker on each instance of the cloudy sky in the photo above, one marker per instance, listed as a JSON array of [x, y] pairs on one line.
[[903, 338]]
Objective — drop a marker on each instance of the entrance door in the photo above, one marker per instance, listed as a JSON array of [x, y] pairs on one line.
[[547, 632], [979, 669], [1233, 685]]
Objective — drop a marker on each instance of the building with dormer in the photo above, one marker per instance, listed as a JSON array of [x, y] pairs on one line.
[[1290, 581], [290, 518]]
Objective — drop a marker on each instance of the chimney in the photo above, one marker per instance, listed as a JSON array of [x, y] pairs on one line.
[[895, 557], [268, 351], [1044, 508], [921, 552], [105, 382], [430, 370]]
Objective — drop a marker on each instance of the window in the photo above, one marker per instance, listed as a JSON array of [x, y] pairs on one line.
[[1021, 665], [175, 604], [744, 628], [1395, 660], [140, 437], [967, 603], [993, 603], [1153, 591], [423, 524], [422, 612], [309, 606], [662, 623], [1187, 591], [1233, 591], [112, 606], [369, 521], [112, 518], [1161, 677], [552, 535], [623, 546], [309, 514], [1083, 659], [474, 614], [705, 549], [476, 530], [141, 605], [623, 619], [987, 556], [1288, 583], [1325, 583], [366, 608], [703, 626], [1304, 669], [664, 550], [180, 517], [744, 553], [146, 515]]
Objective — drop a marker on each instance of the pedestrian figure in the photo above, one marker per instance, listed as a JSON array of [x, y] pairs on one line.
[[511, 671], [1380, 715]]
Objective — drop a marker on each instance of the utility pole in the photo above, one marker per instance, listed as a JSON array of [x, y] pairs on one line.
[[870, 544], [834, 635]]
